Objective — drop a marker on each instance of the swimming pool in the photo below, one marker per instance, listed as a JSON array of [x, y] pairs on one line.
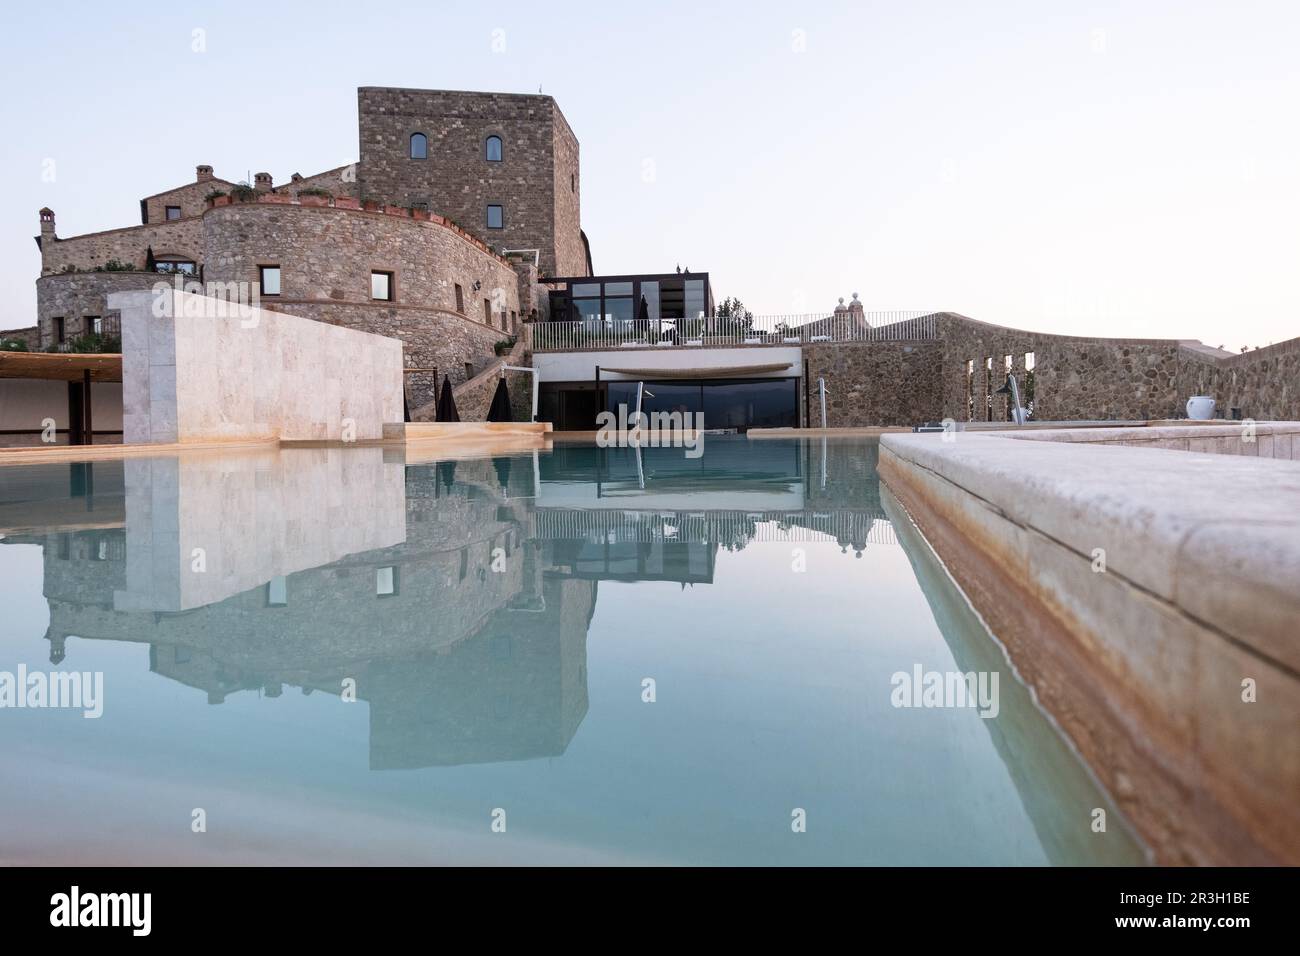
[[330, 655]]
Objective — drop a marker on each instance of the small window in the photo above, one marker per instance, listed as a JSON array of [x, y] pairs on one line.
[[381, 286], [277, 592], [94, 324], [495, 217], [268, 279], [514, 321], [419, 146], [487, 311], [492, 149], [58, 329], [573, 182], [460, 299], [385, 582], [173, 212]]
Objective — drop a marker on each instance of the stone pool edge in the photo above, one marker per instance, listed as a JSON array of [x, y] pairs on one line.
[[1141, 663]]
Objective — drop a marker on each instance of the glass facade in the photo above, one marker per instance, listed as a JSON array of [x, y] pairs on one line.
[[660, 300], [725, 403]]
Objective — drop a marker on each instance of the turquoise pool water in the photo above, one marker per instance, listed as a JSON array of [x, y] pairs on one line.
[[574, 656]]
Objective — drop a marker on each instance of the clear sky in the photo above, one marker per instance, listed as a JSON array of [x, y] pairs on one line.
[[1110, 168]]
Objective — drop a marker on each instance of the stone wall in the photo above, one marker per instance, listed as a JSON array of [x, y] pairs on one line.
[[75, 296], [29, 336], [874, 383], [340, 181], [182, 237], [539, 152], [1074, 377], [200, 372], [326, 255], [570, 251], [191, 198], [1263, 384]]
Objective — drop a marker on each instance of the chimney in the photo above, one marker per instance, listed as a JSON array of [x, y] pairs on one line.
[[203, 174], [47, 238], [262, 182]]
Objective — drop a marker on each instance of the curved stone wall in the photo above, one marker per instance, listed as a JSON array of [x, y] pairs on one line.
[[326, 255], [75, 295]]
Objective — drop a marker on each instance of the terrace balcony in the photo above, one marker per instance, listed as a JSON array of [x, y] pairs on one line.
[[597, 334]]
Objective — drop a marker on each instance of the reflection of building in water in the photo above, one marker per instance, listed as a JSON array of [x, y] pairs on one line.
[[468, 637]]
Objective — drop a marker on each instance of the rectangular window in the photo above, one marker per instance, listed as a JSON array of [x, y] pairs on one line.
[[381, 286], [487, 311], [386, 582], [514, 321], [268, 279], [495, 217], [460, 299], [58, 329], [173, 212], [94, 324]]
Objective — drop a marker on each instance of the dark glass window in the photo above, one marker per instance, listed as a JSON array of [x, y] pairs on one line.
[[419, 146], [460, 299], [268, 278], [492, 149], [94, 324], [58, 329], [495, 217]]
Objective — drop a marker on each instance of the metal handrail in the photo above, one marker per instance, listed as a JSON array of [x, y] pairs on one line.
[[702, 331]]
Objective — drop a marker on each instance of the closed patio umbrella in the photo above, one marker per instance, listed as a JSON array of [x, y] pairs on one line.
[[446, 410], [499, 411]]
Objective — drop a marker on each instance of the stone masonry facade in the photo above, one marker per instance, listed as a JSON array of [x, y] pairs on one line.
[[1075, 378], [424, 221], [535, 182]]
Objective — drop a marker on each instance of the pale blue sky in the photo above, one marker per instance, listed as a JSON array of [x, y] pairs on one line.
[[1105, 168]]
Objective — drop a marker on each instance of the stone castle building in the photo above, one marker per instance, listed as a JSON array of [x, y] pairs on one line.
[[436, 237]]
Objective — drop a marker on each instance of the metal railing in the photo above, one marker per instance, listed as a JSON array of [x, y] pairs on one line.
[[705, 331]]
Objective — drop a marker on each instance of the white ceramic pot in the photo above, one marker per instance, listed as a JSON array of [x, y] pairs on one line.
[[1200, 408]]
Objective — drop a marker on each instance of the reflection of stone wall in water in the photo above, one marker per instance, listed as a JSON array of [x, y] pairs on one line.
[[516, 690]]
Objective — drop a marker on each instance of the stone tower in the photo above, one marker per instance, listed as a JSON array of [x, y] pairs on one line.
[[503, 166]]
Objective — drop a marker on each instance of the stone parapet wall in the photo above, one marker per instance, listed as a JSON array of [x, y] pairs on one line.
[[874, 383], [1263, 384], [1074, 377], [180, 237]]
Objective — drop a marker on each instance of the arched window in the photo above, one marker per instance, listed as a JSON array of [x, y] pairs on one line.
[[492, 149], [419, 146]]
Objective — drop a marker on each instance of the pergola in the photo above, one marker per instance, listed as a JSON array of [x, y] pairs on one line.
[[71, 367]]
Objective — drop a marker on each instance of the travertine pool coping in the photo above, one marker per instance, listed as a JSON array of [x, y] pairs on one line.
[[1143, 661], [1215, 535]]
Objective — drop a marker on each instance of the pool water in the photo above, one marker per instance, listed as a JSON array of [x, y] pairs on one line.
[[573, 656]]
